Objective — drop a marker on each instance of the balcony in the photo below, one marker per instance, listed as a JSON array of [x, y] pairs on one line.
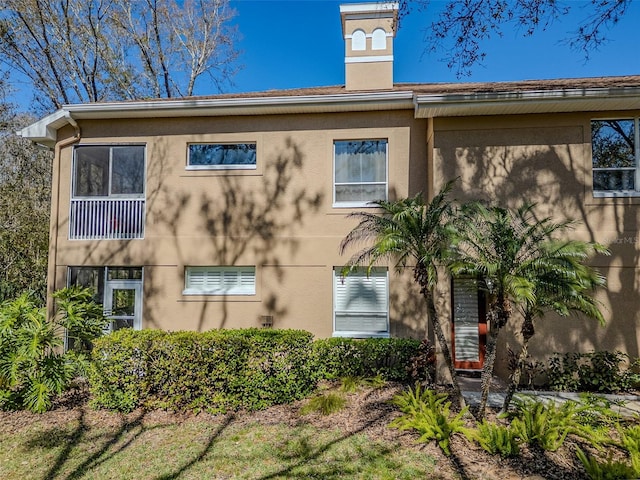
[[107, 219]]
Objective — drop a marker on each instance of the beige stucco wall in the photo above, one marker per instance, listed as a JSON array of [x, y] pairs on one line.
[[546, 159], [278, 217]]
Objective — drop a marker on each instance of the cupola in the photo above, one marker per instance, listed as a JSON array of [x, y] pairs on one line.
[[368, 30]]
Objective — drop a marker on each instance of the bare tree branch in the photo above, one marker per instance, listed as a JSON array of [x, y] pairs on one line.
[[96, 50], [462, 26]]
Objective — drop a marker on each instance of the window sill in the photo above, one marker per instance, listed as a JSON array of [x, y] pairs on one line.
[[616, 194], [217, 294], [361, 335], [368, 204], [219, 167]]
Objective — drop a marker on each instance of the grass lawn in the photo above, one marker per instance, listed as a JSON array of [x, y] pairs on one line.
[[209, 448]]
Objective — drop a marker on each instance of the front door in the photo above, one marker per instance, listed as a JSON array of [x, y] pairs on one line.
[[123, 304], [469, 324]]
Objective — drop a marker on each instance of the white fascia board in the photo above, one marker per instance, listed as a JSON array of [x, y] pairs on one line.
[[535, 101], [45, 130]]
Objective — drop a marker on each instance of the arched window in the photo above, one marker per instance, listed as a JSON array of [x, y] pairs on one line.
[[379, 40], [358, 40]]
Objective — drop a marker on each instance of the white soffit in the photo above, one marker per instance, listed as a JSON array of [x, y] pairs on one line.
[[514, 103]]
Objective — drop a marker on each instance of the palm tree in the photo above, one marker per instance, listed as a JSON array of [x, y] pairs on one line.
[[565, 285], [411, 233], [512, 254]]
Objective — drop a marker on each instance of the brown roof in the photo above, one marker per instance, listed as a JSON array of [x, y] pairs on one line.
[[454, 88]]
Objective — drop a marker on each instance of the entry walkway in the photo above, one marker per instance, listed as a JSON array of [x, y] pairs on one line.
[[627, 405]]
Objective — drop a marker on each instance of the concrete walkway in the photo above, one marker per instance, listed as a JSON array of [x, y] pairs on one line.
[[626, 405]]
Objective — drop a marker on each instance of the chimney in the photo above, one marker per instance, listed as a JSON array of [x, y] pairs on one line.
[[368, 30]]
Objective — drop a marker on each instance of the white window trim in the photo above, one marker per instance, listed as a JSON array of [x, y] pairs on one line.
[[236, 289], [221, 167], [337, 272], [621, 193], [358, 204]]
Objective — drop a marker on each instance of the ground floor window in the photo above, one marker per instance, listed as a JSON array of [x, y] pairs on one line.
[[117, 289], [361, 303], [220, 281]]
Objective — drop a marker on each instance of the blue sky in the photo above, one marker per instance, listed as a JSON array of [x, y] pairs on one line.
[[298, 43], [291, 44]]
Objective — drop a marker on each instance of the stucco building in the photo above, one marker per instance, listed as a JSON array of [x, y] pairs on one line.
[[227, 211]]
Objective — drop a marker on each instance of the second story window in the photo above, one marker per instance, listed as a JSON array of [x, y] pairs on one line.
[[107, 200], [103, 171], [220, 156], [615, 146], [360, 172]]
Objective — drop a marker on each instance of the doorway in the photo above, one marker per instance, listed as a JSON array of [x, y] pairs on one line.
[[117, 289], [469, 324], [123, 304]]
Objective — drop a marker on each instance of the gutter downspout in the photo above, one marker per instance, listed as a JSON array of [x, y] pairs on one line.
[[55, 211]]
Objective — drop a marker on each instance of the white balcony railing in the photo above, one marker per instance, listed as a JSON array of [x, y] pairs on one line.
[[105, 219]]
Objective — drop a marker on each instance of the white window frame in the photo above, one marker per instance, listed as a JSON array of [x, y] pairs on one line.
[[361, 275], [636, 169], [221, 167], [220, 280], [361, 204], [111, 147]]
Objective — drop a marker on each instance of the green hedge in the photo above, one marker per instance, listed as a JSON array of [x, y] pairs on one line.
[[347, 357], [213, 371], [223, 370]]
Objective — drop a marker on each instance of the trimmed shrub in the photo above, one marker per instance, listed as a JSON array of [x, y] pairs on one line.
[[214, 371], [390, 358], [118, 375]]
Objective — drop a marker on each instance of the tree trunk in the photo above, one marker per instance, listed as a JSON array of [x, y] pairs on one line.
[[487, 372], [437, 329], [498, 316], [527, 332]]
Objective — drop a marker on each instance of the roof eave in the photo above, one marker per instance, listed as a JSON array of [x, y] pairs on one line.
[[45, 130], [527, 102]]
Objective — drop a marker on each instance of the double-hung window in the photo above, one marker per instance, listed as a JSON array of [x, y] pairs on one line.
[[221, 156], [220, 281], [615, 145], [361, 303], [360, 172], [107, 200]]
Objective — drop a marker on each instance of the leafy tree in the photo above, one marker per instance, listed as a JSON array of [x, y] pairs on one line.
[[412, 233], [562, 284], [78, 51], [513, 254], [25, 191], [462, 26], [33, 366]]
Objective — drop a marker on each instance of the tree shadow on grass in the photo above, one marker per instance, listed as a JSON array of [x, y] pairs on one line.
[[111, 444], [53, 437], [304, 452], [205, 451]]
